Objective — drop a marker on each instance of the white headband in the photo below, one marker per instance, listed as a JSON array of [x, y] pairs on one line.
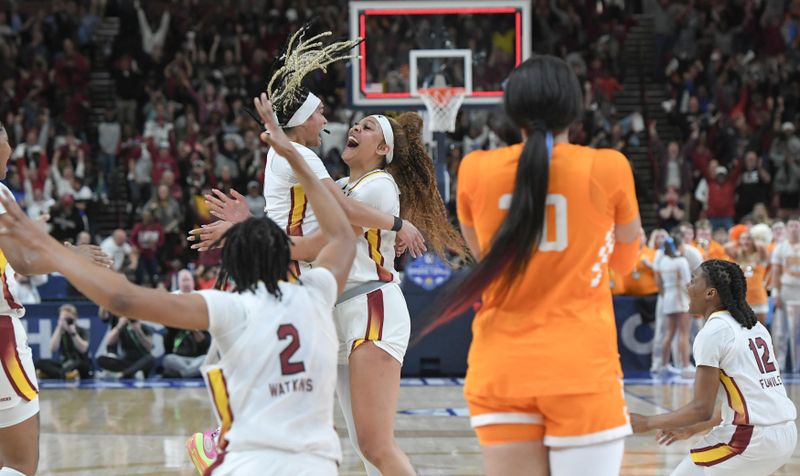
[[305, 111], [388, 135]]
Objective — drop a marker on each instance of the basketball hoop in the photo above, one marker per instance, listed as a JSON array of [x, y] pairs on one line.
[[442, 105]]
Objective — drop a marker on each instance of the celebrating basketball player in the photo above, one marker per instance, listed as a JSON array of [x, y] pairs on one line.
[[546, 218], [274, 382], [19, 400], [754, 433]]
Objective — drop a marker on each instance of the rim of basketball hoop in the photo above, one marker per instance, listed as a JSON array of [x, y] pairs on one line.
[[442, 95]]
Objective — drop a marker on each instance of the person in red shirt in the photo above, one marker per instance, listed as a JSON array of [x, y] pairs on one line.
[[148, 238], [721, 194]]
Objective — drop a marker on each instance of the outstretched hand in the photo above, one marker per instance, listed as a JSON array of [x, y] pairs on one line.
[[209, 236], [93, 253], [232, 209], [667, 437]]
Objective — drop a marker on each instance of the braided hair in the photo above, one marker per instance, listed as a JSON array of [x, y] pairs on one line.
[[256, 249], [729, 281]]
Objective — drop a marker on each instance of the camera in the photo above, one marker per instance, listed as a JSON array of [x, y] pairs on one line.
[[70, 321]]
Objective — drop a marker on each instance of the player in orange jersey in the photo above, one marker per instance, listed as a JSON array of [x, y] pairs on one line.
[[546, 219]]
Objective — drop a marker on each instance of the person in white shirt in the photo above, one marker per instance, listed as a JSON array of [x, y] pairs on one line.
[[673, 275], [753, 432], [786, 292], [388, 165], [117, 247], [274, 379], [28, 287]]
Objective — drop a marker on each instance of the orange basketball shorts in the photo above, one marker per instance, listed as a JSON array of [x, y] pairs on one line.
[[561, 420]]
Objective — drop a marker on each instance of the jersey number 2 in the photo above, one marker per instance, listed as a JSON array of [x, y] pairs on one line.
[[290, 368], [764, 365], [558, 204]]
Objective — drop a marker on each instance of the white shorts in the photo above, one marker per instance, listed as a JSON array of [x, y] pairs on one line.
[[274, 463], [18, 386], [16, 415], [734, 450], [380, 316]]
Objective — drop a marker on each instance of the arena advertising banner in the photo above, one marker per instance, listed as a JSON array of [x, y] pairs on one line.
[[634, 337]]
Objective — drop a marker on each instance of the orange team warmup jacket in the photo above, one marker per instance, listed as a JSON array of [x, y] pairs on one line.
[[555, 331]]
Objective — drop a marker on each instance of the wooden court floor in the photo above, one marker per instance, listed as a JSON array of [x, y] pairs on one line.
[[140, 428]]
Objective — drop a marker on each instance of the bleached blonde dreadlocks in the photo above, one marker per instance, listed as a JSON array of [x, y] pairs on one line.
[[301, 57]]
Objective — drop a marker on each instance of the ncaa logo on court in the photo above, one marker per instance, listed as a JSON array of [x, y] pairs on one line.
[[428, 272]]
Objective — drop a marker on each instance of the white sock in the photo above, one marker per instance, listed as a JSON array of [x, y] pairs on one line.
[[6, 471], [605, 459]]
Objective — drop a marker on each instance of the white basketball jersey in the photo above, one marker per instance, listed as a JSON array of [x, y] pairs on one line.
[[10, 304], [287, 204], [375, 253], [271, 371], [751, 390]]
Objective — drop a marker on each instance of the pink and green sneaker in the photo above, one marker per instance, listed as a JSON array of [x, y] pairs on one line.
[[202, 449]]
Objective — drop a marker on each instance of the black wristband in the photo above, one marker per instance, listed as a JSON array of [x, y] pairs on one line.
[[398, 223]]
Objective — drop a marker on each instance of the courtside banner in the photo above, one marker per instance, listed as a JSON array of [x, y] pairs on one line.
[[634, 338]]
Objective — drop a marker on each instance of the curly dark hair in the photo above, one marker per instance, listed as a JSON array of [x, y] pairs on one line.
[[729, 281], [420, 202], [256, 249]]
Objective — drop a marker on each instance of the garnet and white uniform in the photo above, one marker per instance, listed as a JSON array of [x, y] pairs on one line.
[[18, 387], [271, 374], [372, 307], [757, 434], [287, 204]]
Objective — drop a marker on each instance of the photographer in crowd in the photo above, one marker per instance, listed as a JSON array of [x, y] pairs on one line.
[[131, 342], [71, 342]]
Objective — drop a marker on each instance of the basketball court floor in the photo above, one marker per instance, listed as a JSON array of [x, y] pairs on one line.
[[127, 428]]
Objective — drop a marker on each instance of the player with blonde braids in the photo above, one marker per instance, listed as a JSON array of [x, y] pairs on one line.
[[300, 114]]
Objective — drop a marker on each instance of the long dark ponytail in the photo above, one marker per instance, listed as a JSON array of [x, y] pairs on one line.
[[729, 281], [542, 97]]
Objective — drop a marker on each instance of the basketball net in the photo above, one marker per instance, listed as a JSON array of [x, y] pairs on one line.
[[442, 104]]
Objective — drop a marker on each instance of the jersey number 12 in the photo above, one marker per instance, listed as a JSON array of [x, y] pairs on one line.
[[764, 365]]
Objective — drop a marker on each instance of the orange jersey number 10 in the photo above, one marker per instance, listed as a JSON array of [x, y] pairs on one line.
[[554, 234]]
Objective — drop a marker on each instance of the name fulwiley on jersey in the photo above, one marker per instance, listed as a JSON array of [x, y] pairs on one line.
[[770, 382], [294, 385]]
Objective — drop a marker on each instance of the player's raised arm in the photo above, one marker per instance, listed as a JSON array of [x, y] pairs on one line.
[[337, 255], [108, 289]]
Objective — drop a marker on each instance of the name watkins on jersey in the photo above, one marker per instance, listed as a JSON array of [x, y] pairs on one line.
[[290, 386]]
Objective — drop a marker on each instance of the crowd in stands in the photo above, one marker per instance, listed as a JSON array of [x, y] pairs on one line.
[[182, 73]]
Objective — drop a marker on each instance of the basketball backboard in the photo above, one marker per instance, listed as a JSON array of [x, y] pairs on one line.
[[413, 44]]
